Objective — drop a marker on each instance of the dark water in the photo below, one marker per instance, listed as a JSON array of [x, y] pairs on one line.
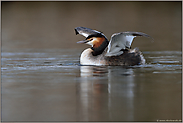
[[50, 85]]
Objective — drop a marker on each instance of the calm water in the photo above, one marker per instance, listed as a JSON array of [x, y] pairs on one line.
[[50, 85]]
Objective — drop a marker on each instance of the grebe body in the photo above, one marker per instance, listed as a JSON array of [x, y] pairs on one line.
[[117, 51]]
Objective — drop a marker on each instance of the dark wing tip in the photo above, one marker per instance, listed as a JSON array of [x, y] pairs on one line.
[[79, 30], [87, 32], [141, 34], [76, 31], [82, 28], [137, 34]]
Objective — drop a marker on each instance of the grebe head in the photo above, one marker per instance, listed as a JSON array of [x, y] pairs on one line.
[[96, 39], [98, 42]]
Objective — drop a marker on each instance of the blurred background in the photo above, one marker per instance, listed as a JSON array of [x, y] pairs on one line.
[[50, 25]]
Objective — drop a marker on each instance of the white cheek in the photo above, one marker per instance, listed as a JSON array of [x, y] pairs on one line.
[[90, 43]]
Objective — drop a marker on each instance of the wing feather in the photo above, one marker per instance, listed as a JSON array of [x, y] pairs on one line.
[[86, 31], [120, 41]]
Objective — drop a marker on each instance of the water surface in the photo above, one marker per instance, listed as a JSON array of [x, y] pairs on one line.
[[51, 85]]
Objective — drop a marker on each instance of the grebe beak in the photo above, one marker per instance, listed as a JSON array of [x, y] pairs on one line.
[[82, 42]]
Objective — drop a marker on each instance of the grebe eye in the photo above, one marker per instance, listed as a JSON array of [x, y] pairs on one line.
[[91, 39]]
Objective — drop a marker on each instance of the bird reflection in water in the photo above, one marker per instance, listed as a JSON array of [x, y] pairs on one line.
[[98, 91], [93, 71]]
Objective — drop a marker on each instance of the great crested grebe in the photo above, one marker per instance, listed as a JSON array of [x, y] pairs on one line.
[[117, 51]]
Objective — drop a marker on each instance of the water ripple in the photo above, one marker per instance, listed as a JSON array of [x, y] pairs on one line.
[[157, 61]]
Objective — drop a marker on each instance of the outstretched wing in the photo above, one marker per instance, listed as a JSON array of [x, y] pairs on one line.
[[86, 31], [120, 41]]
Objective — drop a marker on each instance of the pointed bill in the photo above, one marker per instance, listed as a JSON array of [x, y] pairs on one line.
[[82, 42]]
